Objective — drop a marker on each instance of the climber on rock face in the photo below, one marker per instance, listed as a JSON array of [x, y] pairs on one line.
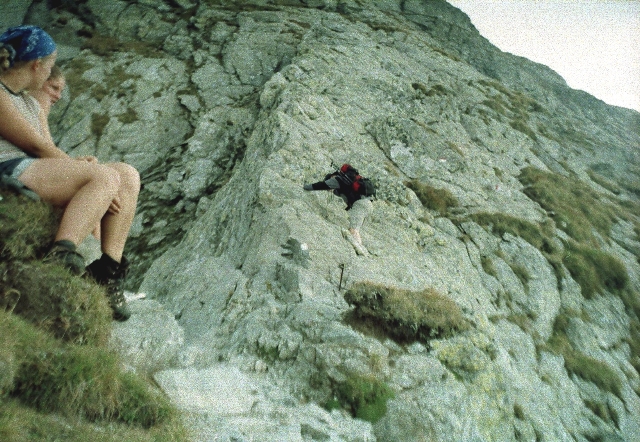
[[356, 191], [90, 193]]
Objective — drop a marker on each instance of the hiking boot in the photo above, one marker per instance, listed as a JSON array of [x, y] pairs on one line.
[[64, 252], [111, 275]]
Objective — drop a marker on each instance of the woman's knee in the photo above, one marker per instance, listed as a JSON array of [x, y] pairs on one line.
[[107, 178], [129, 177]]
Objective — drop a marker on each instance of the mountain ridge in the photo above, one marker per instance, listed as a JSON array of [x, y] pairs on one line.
[[228, 108]]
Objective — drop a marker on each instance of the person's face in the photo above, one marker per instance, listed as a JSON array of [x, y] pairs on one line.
[[42, 70], [53, 88]]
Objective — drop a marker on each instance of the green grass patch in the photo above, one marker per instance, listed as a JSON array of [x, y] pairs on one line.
[[576, 208], [105, 46], [68, 307], [600, 409], [634, 343], [488, 266], [521, 126], [525, 322], [579, 364], [522, 274], [438, 199], [365, 397], [130, 116], [539, 235], [580, 211], [514, 105], [98, 123], [58, 378], [20, 423], [84, 381], [604, 182], [403, 314], [595, 270], [27, 229]]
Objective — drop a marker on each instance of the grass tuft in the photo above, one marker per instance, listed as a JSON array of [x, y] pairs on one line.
[[595, 270], [364, 396], [26, 227], [58, 378], [579, 364], [406, 315], [20, 423], [539, 235], [70, 308], [440, 200], [576, 208]]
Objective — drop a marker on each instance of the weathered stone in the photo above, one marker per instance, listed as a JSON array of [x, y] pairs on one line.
[[228, 109], [150, 340]]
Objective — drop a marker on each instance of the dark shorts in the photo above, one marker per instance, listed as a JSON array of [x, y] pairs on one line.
[[15, 167]]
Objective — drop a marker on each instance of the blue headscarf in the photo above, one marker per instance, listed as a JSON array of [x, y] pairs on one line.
[[26, 43]]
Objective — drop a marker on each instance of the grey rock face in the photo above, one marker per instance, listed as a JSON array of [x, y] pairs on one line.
[[227, 109], [13, 13]]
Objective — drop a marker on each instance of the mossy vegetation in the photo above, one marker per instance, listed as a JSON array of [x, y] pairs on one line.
[[105, 45], [604, 182], [438, 199], [21, 423], [54, 358], [27, 232], [513, 105], [634, 342], [579, 364], [72, 309], [521, 125], [365, 397], [73, 72], [130, 116], [522, 274], [539, 235], [406, 315], [98, 123], [488, 266], [594, 269], [587, 217], [576, 208]]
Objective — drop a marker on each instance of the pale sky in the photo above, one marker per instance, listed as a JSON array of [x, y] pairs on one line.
[[593, 44]]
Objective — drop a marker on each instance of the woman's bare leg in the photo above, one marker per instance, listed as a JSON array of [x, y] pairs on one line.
[[85, 189], [114, 228]]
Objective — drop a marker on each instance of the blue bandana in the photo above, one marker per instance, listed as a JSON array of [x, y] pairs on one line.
[[28, 43]]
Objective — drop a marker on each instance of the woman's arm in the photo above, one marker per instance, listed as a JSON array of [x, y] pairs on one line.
[[44, 123], [17, 130]]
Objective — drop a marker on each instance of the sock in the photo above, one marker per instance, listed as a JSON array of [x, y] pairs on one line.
[[65, 244]]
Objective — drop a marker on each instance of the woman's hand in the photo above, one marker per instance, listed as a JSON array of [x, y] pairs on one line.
[[115, 206]]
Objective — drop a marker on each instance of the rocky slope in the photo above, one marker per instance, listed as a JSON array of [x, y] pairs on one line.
[[227, 108]]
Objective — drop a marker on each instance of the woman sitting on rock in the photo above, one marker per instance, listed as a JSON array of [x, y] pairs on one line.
[[91, 193]]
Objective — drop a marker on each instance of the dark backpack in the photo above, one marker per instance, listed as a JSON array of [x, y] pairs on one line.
[[364, 186], [358, 184]]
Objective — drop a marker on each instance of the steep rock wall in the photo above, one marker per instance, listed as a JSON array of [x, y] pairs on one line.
[[227, 108]]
